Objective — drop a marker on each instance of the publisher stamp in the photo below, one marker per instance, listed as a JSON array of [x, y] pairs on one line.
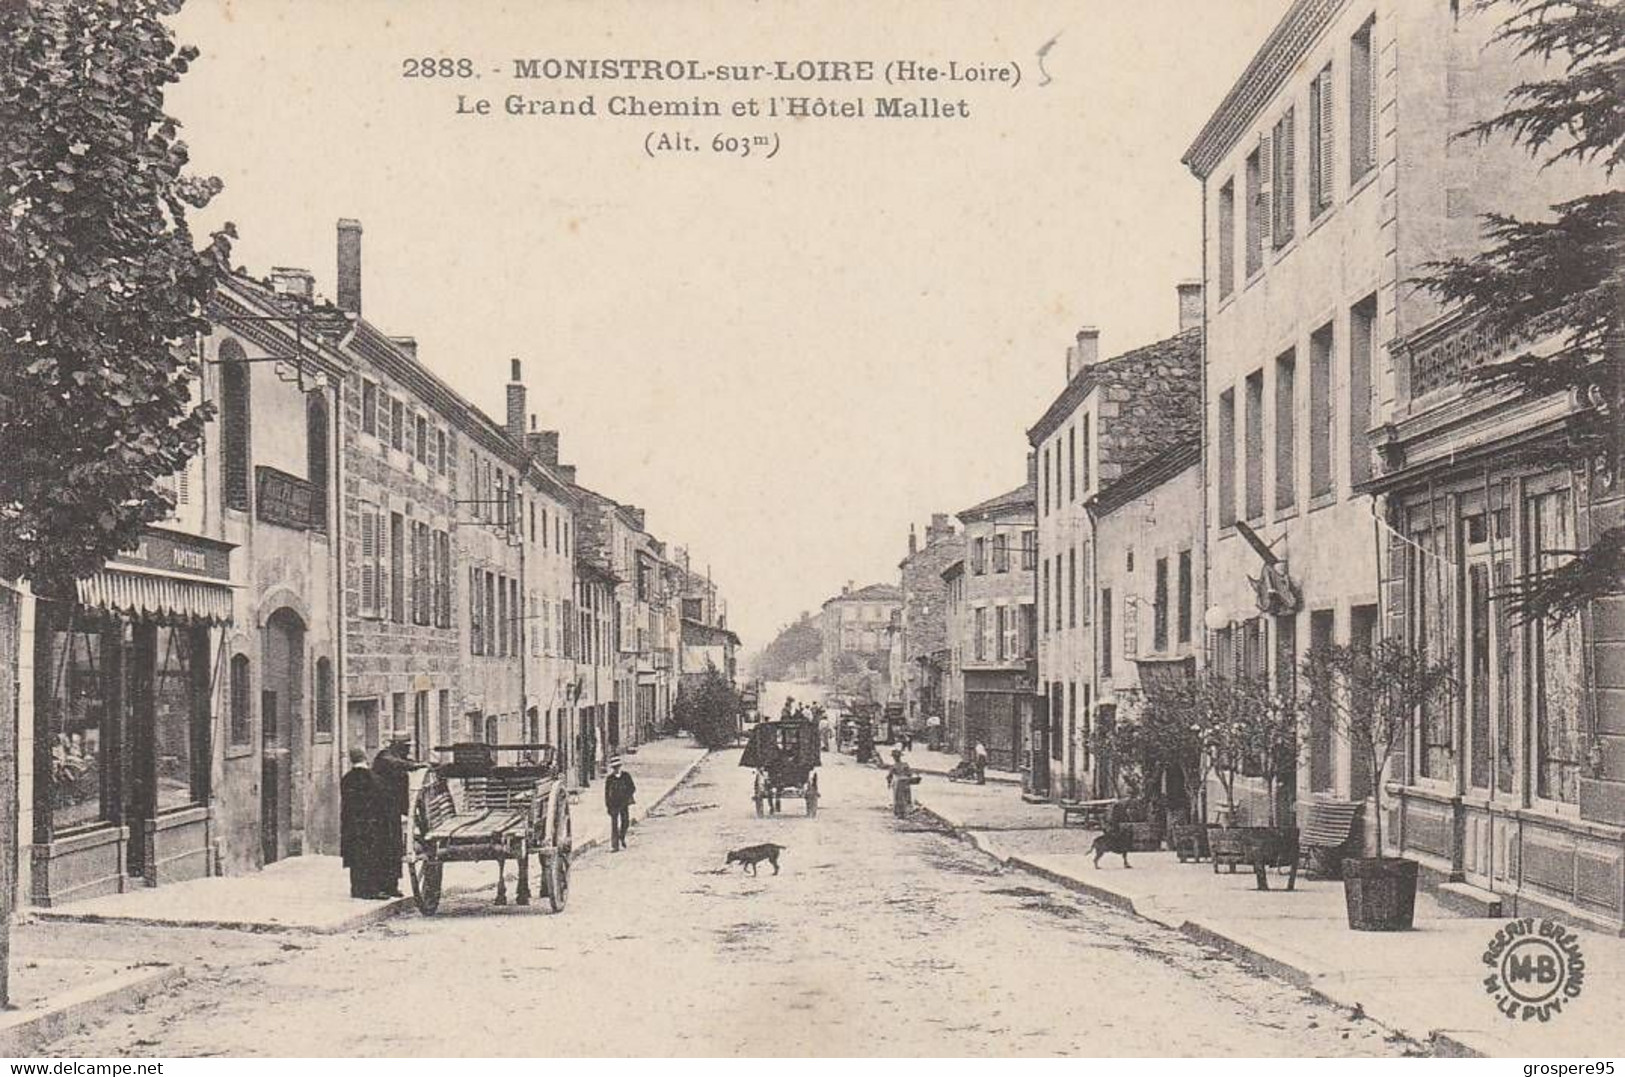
[[1536, 969]]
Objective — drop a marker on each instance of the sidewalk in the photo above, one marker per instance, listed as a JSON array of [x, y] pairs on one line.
[[1427, 983], [310, 894], [929, 761]]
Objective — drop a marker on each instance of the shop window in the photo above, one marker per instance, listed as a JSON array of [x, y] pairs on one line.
[[80, 786], [324, 697], [1430, 623], [242, 710], [235, 412], [180, 715], [1558, 679]]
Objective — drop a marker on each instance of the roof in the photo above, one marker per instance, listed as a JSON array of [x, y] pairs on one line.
[[1148, 476], [874, 592], [1174, 347], [1271, 66], [1024, 496], [701, 628]]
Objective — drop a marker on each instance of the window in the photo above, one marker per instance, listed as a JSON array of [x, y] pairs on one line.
[[493, 627], [1072, 588], [1001, 552], [999, 641], [324, 697], [1084, 461], [1071, 463], [1105, 632], [1029, 551], [442, 579], [397, 424], [1320, 143], [1362, 330], [1186, 590], [1159, 607], [500, 626], [241, 717], [1257, 193], [1085, 584], [1059, 588], [235, 412], [397, 568], [1227, 238], [476, 611], [423, 578], [440, 452], [544, 529], [1320, 411], [1254, 445], [369, 407], [1286, 430], [371, 541], [1057, 693], [1362, 103], [978, 556], [1028, 631], [1283, 210], [1128, 559], [1429, 615], [1046, 480], [1044, 595], [516, 641], [422, 428], [316, 456], [1557, 684], [1227, 458]]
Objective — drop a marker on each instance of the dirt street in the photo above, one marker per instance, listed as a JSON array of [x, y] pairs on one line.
[[879, 937]]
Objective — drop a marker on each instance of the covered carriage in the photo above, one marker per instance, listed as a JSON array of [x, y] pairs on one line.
[[785, 755]]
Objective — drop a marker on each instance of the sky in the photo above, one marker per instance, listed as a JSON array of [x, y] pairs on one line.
[[786, 362]]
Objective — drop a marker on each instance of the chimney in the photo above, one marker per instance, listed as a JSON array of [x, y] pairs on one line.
[[1085, 353], [567, 472], [1190, 304], [409, 345], [288, 280], [516, 404], [940, 528], [846, 590], [913, 543], [350, 265], [544, 446]]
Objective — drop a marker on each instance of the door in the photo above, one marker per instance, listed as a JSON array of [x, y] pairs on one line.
[[281, 733], [1040, 746]]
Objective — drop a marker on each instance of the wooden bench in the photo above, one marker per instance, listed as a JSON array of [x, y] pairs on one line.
[[1087, 813], [1328, 835]]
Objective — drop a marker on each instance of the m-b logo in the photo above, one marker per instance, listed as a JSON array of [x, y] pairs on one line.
[[1537, 968]]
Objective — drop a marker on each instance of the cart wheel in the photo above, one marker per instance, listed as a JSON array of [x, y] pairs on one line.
[[812, 802], [556, 871], [425, 876]]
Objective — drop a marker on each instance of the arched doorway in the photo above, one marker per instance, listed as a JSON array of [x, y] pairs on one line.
[[282, 708]]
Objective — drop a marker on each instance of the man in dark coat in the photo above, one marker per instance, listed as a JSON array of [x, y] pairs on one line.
[[363, 827], [391, 768], [619, 793]]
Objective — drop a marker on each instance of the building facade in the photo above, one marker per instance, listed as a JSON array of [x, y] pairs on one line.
[[924, 619], [854, 627], [1401, 505], [1110, 418], [992, 629]]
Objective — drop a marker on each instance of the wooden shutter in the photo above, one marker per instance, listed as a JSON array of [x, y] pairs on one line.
[[1284, 152], [1266, 200], [369, 561], [1326, 144]]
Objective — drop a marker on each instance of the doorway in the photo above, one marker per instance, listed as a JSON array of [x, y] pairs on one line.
[[281, 731]]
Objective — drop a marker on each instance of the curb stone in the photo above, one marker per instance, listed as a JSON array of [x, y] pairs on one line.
[[24, 1032]]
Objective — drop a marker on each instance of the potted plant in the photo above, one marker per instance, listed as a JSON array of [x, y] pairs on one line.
[[1171, 719], [1248, 726], [1373, 695]]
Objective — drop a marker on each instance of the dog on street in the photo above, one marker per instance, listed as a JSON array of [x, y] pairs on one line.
[[752, 855]]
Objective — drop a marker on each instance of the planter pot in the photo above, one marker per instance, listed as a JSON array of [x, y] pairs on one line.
[[1272, 846], [1380, 893], [1189, 841], [1143, 837]]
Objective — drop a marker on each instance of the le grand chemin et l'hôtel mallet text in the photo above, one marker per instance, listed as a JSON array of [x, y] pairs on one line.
[[913, 74]]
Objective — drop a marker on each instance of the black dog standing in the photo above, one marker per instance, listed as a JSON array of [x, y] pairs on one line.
[[619, 792]]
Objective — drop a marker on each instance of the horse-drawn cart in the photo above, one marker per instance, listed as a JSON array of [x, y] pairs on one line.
[[785, 756], [497, 802]]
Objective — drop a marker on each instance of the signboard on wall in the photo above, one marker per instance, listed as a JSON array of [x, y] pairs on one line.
[[176, 551], [288, 501]]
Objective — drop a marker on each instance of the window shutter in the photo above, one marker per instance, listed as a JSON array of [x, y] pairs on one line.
[[369, 557], [1327, 143], [1266, 200], [1285, 158]]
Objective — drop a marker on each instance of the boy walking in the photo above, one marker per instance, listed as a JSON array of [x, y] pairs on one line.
[[619, 794]]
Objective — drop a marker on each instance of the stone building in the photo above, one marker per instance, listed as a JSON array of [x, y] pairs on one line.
[[991, 629], [1331, 176], [593, 648], [924, 618], [1111, 417], [854, 628]]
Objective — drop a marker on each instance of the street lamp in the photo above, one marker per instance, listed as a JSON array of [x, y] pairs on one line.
[[1216, 618]]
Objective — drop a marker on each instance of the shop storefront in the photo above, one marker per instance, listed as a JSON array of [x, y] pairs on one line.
[[122, 721]]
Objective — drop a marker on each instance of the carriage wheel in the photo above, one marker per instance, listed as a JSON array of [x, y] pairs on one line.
[[425, 876], [556, 872], [554, 857]]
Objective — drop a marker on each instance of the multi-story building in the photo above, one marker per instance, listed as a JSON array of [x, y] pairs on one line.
[[1319, 351], [924, 618], [1110, 418], [854, 628], [952, 735], [594, 649], [991, 628]]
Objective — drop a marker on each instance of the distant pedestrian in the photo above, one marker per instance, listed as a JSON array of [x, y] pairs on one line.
[[620, 793], [902, 781], [392, 768], [907, 737], [363, 827], [933, 732], [980, 756]]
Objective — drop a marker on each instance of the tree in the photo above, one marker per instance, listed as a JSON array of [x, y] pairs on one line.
[[796, 647], [1565, 275], [1246, 725], [710, 710], [1374, 695], [1171, 716], [101, 289]]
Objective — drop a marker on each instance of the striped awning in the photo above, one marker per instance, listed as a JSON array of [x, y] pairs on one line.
[[135, 594]]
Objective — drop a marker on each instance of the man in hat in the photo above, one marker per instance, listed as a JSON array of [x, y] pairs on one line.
[[363, 827], [619, 792], [391, 767]]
